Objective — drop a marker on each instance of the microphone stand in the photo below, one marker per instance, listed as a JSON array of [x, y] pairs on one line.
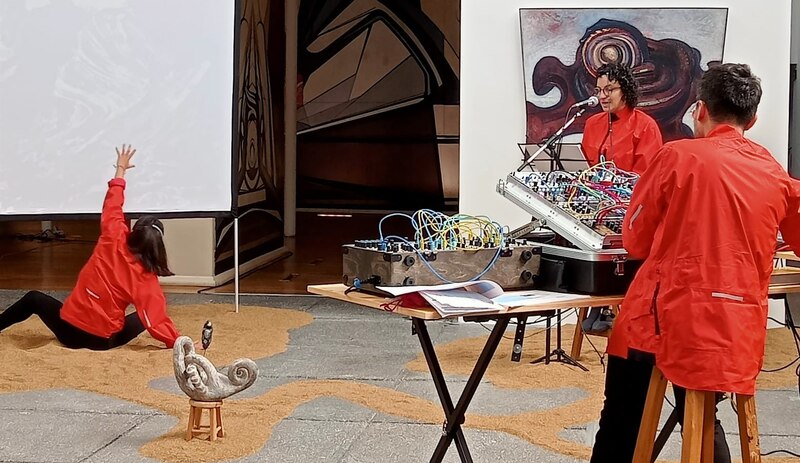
[[603, 152], [550, 141]]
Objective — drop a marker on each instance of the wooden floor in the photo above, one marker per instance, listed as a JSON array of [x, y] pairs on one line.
[[54, 265], [315, 256]]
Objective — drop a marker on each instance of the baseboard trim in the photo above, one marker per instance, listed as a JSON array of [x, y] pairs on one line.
[[187, 280], [228, 275]]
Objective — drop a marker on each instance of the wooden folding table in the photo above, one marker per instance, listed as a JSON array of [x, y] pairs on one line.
[[454, 414]]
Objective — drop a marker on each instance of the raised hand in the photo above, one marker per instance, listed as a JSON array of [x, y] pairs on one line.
[[124, 160]]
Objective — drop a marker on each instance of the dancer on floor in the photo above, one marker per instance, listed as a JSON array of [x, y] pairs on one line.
[[123, 269]]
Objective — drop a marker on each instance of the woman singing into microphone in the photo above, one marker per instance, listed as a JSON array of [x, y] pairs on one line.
[[621, 133]]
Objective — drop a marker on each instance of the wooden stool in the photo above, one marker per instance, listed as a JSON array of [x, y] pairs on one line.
[[214, 428], [698, 424]]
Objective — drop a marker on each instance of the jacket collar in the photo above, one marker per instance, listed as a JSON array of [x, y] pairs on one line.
[[725, 131]]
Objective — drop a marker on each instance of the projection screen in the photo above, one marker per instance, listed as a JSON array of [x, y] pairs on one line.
[[79, 77]]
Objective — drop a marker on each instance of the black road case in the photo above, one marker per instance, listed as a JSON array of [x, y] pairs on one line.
[[604, 272]]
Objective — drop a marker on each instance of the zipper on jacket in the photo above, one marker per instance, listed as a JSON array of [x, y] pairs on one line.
[[654, 308]]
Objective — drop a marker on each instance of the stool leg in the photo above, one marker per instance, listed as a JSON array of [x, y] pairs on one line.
[[709, 419], [218, 411], [748, 428], [693, 427], [652, 412], [212, 430], [190, 426], [577, 339]]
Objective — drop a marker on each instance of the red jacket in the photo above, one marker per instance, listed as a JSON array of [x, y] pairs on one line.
[[705, 218], [114, 278], [632, 139]]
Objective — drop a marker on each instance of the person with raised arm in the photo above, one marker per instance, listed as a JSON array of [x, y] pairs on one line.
[[122, 270]]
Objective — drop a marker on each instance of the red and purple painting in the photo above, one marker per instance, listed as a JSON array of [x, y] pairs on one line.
[[667, 48]]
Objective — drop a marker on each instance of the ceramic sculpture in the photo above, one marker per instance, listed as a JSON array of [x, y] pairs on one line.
[[201, 381]]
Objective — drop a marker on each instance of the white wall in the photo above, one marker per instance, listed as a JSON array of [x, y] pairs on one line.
[[493, 99], [190, 251]]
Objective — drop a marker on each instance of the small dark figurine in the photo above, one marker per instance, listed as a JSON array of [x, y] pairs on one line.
[[208, 330]]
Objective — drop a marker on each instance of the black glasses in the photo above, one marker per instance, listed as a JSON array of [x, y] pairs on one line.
[[607, 90]]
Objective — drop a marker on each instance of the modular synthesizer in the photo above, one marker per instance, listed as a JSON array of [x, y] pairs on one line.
[[586, 207], [441, 249]]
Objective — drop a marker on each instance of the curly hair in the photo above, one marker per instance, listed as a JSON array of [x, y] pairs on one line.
[[731, 93], [624, 76]]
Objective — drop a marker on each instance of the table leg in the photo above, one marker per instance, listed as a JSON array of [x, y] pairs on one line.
[[454, 417], [577, 340], [547, 353], [519, 338], [441, 387]]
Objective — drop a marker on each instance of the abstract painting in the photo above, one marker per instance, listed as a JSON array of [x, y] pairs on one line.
[[667, 48]]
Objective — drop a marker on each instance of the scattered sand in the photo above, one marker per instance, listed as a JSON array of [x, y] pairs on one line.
[[34, 360]]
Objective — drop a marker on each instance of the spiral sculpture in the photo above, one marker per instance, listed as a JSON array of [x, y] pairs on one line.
[[200, 380]]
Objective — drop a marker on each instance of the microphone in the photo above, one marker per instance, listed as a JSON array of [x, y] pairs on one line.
[[208, 331], [590, 102]]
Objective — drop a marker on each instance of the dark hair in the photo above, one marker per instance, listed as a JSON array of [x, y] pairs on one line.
[[730, 92], [623, 75], [147, 245]]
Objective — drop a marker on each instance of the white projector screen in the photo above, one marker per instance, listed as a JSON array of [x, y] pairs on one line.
[[79, 77]]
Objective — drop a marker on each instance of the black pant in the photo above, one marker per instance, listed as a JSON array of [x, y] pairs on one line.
[[48, 309], [627, 382]]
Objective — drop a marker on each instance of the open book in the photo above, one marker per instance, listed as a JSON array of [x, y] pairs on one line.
[[455, 299], [477, 297]]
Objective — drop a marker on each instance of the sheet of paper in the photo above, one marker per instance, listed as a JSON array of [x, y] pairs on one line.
[[530, 297], [488, 288], [458, 302]]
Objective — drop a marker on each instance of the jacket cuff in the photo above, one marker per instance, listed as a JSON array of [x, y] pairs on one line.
[[117, 182]]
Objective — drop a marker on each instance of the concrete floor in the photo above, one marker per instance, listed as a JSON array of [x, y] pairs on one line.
[[60, 426]]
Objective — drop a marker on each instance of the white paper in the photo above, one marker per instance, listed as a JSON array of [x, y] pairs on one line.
[[482, 296], [523, 298], [488, 288], [460, 302]]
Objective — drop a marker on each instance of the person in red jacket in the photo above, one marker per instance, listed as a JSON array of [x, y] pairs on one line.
[[123, 269], [621, 133], [704, 218]]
